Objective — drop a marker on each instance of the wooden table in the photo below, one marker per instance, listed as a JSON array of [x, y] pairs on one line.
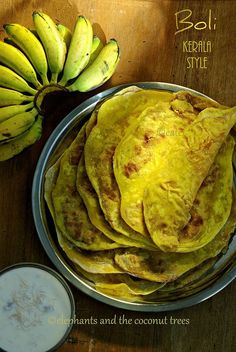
[[151, 51]]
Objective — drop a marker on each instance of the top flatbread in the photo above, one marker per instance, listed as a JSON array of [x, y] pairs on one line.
[[170, 193]]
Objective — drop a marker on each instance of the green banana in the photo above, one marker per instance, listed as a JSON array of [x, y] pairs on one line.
[[16, 146], [31, 46], [97, 46], [17, 124], [12, 110], [12, 97], [9, 79], [79, 50], [65, 33], [100, 70], [53, 43], [17, 61]]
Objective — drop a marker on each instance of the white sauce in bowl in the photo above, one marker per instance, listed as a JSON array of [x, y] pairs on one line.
[[32, 300]]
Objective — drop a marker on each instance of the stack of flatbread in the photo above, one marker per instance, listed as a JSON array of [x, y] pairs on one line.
[[142, 199]]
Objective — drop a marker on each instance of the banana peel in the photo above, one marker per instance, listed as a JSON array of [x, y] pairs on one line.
[[8, 150], [101, 69]]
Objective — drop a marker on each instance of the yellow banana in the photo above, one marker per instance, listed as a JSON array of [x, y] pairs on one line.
[[9, 79], [53, 43], [10, 139], [17, 61], [97, 46], [79, 50], [12, 110], [12, 97], [17, 124], [65, 33], [31, 46], [100, 70], [8, 150]]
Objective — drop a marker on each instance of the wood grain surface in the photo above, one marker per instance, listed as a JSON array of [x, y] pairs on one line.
[[150, 51]]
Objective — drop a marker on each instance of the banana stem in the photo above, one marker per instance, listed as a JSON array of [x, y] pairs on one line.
[[63, 81], [45, 80], [38, 85], [54, 77], [29, 105], [32, 91], [29, 97]]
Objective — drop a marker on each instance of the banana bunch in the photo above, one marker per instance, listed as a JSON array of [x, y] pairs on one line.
[[36, 61]]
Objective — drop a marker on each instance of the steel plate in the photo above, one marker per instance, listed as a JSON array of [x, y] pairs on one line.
[[218, 277]]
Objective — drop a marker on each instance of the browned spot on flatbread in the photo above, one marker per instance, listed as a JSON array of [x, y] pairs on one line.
[[74, 159], [199, 103], [110, 193], [137, 149], [72, 191], [192, 228], [147, 138], [88, 186], [130, 168], [163, 225], [109, 152], [212, 177]]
